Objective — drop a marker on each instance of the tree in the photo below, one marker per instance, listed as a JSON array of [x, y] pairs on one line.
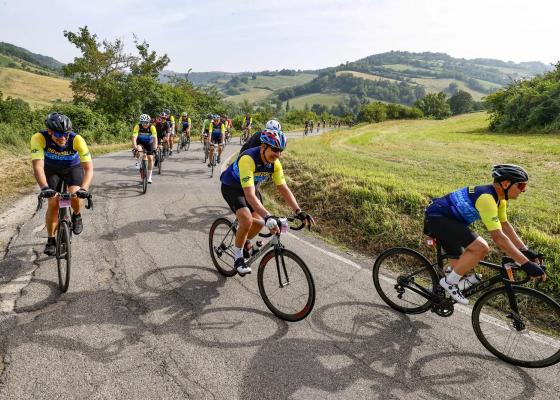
[[434, 105], [419, 92], [373, 112], [288, 106], [453, 88], [461, 102]]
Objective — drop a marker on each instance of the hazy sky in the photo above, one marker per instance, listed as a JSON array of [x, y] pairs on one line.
[[243, 35]]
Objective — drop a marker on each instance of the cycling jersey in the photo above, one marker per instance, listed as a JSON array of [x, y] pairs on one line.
[[248, 121], [470, 204], [250, 170], [185, 124], [144, 135], [217, 130], [55, 156], [206, 125]]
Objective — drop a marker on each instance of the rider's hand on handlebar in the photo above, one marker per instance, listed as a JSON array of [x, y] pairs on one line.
[[82, 193], [47, 192], [534, 270], [271, 223], [305, 218]]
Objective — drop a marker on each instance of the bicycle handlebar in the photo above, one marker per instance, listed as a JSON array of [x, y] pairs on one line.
[[40, 199]]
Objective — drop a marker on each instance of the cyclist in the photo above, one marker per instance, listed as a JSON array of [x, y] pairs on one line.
[[240, 190], [247, 125], [218, 130], [447, 219], [144, 136], [206, 128], [306, 127], [255, 140], [311, 125], [60, 155], [185, 124], [171, 123], [227, 123], [163, 126]]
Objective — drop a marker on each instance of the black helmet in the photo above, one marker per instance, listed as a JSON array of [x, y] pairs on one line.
[[58, 122], [509, 172]]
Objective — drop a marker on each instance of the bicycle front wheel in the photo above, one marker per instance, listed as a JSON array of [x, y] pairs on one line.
[[63, 255], [187, 144], [528, 337], [404, 279], [221, 242], [160, 160], [286, 285], [144, 175], [179, 145]]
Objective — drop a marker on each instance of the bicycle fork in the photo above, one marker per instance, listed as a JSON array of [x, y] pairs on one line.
[[279, 258]]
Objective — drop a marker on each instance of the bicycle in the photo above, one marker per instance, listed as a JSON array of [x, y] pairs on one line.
[[287, 290], [63, 234], [214, 160], [206, 150], [184, 143], [517, 324], [143, 170], [305, 131], [244, 137], [158, 159]]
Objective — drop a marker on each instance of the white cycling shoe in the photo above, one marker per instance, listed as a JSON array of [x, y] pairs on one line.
[[454, 292]]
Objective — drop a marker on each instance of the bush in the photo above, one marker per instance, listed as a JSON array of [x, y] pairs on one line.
[[434, 105]]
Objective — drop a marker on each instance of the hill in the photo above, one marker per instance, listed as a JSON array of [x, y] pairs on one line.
[[18, 57]]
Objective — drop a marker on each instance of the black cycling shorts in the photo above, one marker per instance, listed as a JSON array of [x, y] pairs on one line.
[[73, 176], [454, 236], [235, 197], [149, 147]]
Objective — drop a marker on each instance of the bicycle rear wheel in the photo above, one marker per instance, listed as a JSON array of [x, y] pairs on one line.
[[179, 145], [187, 144], [144, 175], [221, 242], [63, 255], [286, 285], [213, 164], [529, 337], [160, 160], [399, 274]]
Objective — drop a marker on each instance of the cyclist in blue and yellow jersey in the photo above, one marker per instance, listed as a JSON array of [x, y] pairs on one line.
[[60, 155], [144, 136], [447, 219], [240, 183], [185, 124], [217, 135]]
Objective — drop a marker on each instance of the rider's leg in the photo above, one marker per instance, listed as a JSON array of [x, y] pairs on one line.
[[51, 216], [245, 220], [220, 148], [473, 254], [211, 153]]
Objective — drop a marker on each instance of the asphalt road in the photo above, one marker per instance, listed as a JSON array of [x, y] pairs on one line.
[[147, 316]]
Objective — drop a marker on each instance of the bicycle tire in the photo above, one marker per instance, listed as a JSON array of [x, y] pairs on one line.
[[63, 255], [160, 159], [187, 144], [389, 282], [179, 145], [226, 267], [291, 312], [144, 175], [531, 304]]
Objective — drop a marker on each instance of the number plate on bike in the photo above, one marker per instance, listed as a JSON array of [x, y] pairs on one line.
[[63, 203]]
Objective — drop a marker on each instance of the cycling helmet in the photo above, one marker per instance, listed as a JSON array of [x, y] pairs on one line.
[[209, 116], [145, 119], [164, 114], [216, 116], [274, 138], [509, 172], [58, 122], [184, 114], [273, 125], [167, 111]]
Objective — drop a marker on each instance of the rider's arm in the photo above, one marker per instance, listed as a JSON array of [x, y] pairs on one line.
[[135, 135], [509, 231], [507, 246], [38, 144], [223, 133]]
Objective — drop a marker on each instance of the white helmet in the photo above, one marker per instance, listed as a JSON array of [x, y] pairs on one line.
[[145, 119], [273, 125]]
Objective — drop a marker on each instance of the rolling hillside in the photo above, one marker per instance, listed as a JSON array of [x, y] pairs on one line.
[[38, 90]]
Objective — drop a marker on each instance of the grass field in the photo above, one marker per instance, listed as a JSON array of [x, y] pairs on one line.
[[438, 85], [263, 86], [252, 96], [37, 90], [328, 99], [363, 75], [368, 186]]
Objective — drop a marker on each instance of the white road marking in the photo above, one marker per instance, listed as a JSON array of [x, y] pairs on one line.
[[330, 254]]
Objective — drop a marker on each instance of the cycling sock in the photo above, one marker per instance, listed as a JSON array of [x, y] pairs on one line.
[[150, 173], [453, 278], [238, 252]]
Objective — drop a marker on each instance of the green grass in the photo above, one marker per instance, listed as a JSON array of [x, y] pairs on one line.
[[368, 186], [260, 88], [363, 75], [328, 99], [253, 95], [438, 85]]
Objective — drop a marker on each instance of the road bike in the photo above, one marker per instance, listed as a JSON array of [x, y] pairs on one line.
[[206, 150], [64, 234], [517, 324], [214, 160], [158, 158], [143, 169], [285, 282], [244, 137], [184, 143]]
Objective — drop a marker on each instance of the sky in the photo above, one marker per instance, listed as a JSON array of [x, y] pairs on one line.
[[244, 35]]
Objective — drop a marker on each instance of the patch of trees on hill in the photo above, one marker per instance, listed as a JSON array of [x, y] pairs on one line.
[[32, 58], [393, 92]]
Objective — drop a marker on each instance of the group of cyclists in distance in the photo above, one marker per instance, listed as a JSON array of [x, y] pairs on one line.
[[60, 155]]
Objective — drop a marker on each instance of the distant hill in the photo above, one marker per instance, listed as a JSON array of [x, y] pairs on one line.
[[18, 57], [396, 76], [36, 89]]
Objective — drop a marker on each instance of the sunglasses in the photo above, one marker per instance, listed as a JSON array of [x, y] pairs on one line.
[[521, 185], [275, 149], [60, 135]]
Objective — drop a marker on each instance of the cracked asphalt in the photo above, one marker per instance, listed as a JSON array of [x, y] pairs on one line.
[[147, 316]]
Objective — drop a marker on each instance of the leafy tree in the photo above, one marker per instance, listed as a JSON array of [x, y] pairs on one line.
[[453, 88], [288, 106], [461, 102], [373, 112], [434, 105]]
